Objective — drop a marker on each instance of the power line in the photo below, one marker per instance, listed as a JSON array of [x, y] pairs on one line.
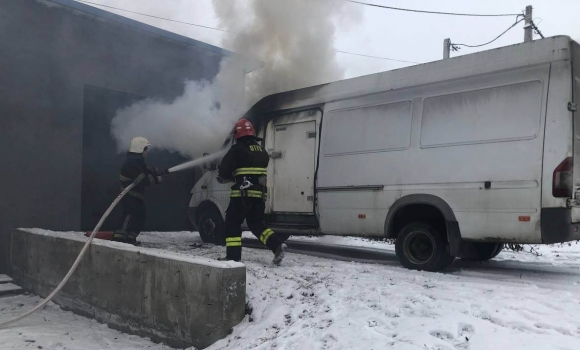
[[152, 16], [223, 30], [455, 48], [382, 58], [437, 12]]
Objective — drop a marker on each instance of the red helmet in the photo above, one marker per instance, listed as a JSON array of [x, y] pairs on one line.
[[243, 128]]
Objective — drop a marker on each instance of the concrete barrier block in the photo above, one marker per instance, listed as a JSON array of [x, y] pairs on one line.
[[177, 300]]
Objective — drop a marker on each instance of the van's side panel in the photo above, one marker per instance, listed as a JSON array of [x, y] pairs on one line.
[[447, 156], [508, 155], [342, 192]]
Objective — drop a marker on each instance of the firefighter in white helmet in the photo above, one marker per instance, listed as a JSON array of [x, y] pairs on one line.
[[135, 170]]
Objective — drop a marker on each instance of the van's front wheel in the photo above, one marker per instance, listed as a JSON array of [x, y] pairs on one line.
[[212, 227], [420, 246]]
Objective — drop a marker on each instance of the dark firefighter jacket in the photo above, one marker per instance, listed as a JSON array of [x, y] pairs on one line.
[[246, 162], [133, 167]]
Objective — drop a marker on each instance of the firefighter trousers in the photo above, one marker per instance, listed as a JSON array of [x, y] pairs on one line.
[[134, 214], [252, 210]]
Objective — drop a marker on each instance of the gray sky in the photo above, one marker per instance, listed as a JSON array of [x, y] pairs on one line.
[[399, 35]]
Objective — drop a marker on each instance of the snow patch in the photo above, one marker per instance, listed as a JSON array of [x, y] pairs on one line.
[[80, 237], [55, 329], [520, 301]]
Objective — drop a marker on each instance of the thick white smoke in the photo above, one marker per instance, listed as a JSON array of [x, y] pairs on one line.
[[295, 40], [196, 122]]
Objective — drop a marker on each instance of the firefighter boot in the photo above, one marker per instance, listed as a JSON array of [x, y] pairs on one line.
[[132, 239], [119, 237], [279, 255]]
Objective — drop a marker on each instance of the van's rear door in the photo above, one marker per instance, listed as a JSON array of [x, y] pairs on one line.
[[294, 165]]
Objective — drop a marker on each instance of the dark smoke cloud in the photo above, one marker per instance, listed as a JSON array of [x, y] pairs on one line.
[[295, 39]]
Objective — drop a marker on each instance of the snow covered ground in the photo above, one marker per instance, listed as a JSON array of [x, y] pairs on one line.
[[54, 329], [518, 301]]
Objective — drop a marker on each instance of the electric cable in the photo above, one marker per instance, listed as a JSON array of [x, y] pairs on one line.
[[379, 57], [153, 16], [455, 46], [227, 31], [436, 12]]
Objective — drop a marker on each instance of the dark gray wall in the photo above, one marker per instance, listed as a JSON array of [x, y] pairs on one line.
[[48, 56]]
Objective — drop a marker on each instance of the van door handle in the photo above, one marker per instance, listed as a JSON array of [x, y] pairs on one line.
[[276, 155]]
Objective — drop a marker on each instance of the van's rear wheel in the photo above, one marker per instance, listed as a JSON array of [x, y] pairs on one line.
[[212, 227], [500, 247], [420, 246], [483, 251]]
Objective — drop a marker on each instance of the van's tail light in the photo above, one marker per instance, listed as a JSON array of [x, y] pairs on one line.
[[562, 179]]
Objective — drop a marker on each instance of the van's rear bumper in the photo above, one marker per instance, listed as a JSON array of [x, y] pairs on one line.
[[557, 226]]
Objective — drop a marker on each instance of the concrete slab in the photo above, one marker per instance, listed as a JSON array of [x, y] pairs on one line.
[[177, 300], [10, 288], [5, 279]]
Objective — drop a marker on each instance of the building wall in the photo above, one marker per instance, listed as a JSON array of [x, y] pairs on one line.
[[49, 55]]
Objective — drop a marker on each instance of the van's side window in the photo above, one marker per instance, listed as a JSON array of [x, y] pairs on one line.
[[503, 113], [370, 129]]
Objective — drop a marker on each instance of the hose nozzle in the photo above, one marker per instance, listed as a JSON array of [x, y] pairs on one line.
[[157, 172]]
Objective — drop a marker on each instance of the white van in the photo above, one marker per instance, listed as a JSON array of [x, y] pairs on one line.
[[452, 158]]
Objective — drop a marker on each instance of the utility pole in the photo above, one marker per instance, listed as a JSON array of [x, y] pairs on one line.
[[446, 48], [528, 36]]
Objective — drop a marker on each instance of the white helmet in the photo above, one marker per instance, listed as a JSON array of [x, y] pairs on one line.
[[138, 145]]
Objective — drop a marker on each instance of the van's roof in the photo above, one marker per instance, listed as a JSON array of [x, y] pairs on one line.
[[525, 54]]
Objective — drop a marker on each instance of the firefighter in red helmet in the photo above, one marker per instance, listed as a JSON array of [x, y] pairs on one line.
[[245, 164]]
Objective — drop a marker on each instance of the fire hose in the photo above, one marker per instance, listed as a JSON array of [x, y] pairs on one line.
[[77, 261], [183, 166]]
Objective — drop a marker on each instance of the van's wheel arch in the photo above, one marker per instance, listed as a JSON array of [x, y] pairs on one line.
[[435, 223], [211, 224], [421, 246]]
